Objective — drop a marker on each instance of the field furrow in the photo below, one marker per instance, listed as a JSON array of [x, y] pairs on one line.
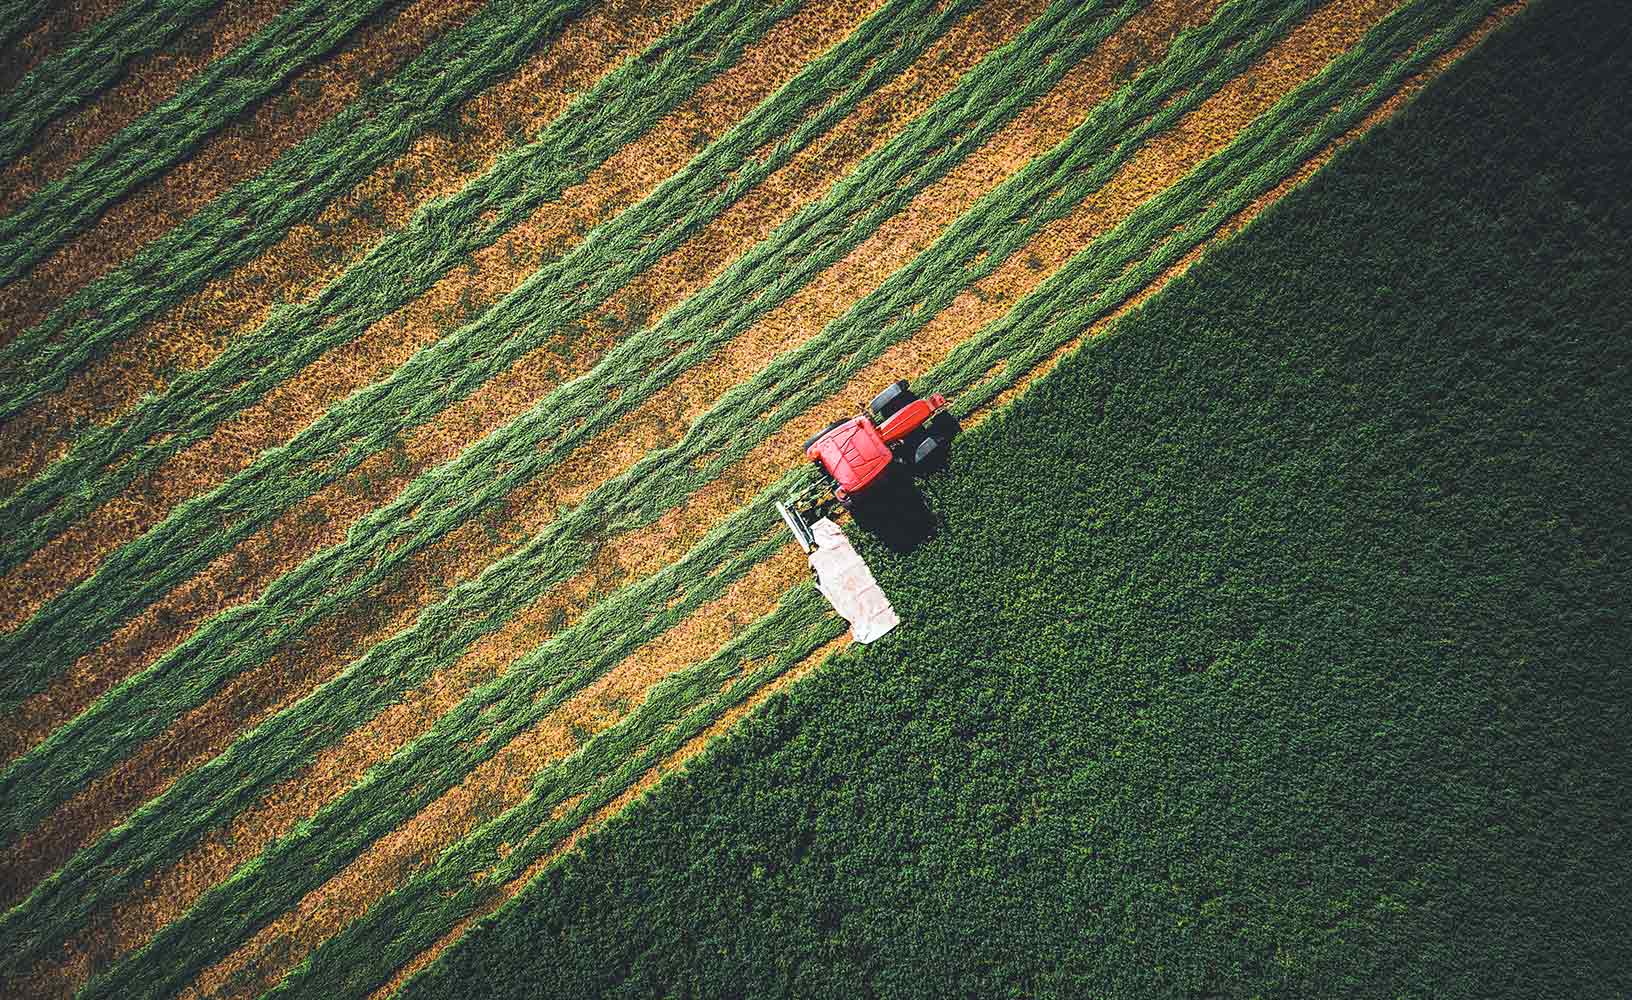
[[243, 221], [359, 683], [32, 30], [91, 63], [165, 135], [757, 75], [154, 72]]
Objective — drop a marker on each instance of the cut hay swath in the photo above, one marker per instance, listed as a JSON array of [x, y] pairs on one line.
[[639, 604]]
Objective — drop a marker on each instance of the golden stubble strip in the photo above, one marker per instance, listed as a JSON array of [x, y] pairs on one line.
[[147, 82], [493, 786], [311, 255], [253, 696], [323, 519], [239, 151], [61, 22]]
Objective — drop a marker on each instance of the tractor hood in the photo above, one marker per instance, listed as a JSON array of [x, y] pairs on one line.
[[854, 453]]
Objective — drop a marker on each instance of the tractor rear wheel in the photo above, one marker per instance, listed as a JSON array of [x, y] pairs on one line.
[[895, 396], [929, 450], [823, 433]]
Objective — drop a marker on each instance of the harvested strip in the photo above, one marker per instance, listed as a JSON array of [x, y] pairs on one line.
[[236, 226], [332, 578], [727, 98], [169, 132], [89, 64], [663, 719], [242, 148], [196, 334], [30, 30], [402, 671], [144, 81]]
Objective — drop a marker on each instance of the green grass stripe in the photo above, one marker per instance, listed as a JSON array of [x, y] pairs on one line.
[[166, 134], [91, 61], [18, 18], [361, 692], [265, 888], [439, 236], [242, 222], [472, 871], [239, 638]]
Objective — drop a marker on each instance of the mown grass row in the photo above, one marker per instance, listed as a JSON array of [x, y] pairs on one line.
[[89, 63], [204, 527], [18, 18], [618, 109], [439, 500], [358, 694], [164, 135], [419, 912], [384, 803], [239, 224]]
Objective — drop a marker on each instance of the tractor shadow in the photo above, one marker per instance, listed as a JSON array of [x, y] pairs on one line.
[[894, 510]]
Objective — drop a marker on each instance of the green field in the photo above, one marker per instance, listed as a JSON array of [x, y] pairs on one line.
[[1273, 645], [393, 395]]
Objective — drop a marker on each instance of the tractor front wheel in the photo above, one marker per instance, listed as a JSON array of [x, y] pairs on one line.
[[895, 396]]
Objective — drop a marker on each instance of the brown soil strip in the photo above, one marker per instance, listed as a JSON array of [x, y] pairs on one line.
[[147, 82], [256, 694], [61, 22], [312, 255], [241, 150]]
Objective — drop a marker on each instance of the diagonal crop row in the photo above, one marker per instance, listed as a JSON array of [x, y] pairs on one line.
[[164, 135], [466, 875], [557, 552], [376, 682], [90, 63], [440, 235], [675, 711], [18, 18], [437, 501], [241, 223]]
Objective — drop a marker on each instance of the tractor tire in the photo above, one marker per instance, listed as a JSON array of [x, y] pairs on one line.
[[929, 451], [822, 433], [886, 403]]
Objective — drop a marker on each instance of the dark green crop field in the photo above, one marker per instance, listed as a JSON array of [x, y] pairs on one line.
[[1276, 644]]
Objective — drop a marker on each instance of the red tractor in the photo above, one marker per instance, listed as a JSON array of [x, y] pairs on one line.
[[856, 452]]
